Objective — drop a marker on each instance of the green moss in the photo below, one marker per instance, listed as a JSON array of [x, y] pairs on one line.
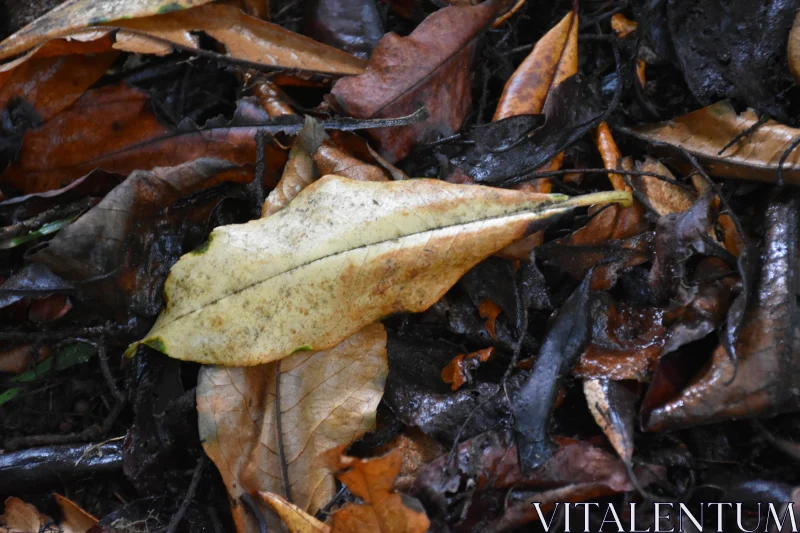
[[303, 349]]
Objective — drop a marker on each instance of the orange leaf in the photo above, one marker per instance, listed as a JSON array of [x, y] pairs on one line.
[[372, 480], [553, 59]]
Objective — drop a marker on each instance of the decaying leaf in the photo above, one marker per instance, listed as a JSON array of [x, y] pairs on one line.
[[384, 510], [354, 26], [245, 39], [341, 255], [535, 401], [793, 48], [110, 248], [327, 399], [430, 66], [766, 346], [82, 138], [77, 14], [705, 132]]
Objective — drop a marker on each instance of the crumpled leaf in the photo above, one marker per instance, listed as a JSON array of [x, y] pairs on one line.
[[571, 110], [705, 132], [32, 281], [351, 25], [383, 510], [341, 255], [489, 464], [766, 346], [112, 244], [327, 399], [535, 401], [245, 38], [77, 14], [430, 66]]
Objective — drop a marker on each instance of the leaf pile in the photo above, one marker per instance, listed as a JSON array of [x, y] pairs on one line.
[[335, 266]]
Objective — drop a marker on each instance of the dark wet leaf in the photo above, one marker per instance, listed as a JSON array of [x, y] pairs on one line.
[[767, 346], [535, 401], [351, 25], [488, 464], [725, 52], [123, 247], [571, 110], [419, 397], [679, 236], [493, 280], [33, 281]]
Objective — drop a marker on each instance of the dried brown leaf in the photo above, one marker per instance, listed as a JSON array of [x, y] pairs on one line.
[[430, 66], [328, 398], [705, 132]]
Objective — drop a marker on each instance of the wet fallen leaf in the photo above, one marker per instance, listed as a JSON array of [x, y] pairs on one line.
[[351, 25], [662, 196], [429, 67], [51, 84], [327, 398], [111, 249], [535, 401], [113, 128], [793, 48], [766, 347], [245, 39], [370, 249], [384, 510], [416, 449], [79, 14], [17, 359], [626, 342], [489, 464], [75, 519], [705, 132]]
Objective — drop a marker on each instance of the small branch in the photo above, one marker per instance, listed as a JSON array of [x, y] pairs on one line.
[[178, 516]]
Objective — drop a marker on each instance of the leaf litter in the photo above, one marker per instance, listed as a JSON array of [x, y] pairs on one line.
[[590, 295]]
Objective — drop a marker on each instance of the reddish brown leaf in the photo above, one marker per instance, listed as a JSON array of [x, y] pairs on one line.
[[766, 346], [430, 66], [53, 83], [112, 128]]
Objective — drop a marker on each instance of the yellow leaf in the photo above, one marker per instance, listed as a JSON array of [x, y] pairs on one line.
[[297, 520], [327, 399], [343, 254]]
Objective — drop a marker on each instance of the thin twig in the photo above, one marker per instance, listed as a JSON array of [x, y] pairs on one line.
[[745, 133], [281, 451], [110, 381], [251, 505], [784, 157], [178, 516]]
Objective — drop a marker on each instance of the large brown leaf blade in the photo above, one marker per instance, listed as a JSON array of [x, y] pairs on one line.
[[767, 348], [327, 399], [113, 128], [431, 66], [77, 14], [245, 38], [705, 132]]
